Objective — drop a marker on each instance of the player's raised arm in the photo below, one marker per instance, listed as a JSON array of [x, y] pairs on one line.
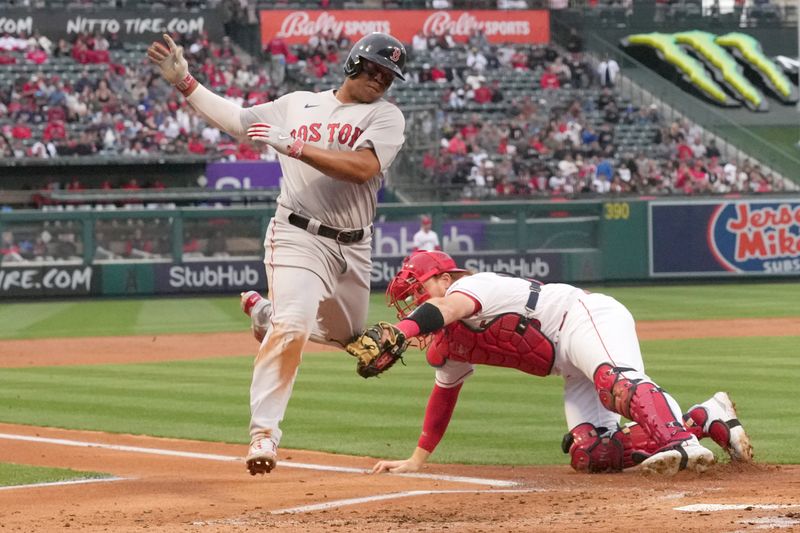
[[222, 113]]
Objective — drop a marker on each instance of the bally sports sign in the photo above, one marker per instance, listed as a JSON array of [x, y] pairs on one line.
[[725, 238], [296, 27]]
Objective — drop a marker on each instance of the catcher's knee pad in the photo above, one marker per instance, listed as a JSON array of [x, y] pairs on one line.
[[593, 449], [640, 401]]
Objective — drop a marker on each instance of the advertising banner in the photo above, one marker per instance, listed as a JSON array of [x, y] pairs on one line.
[[243, 175], [129, 24], [296, 26], [725, 238], [397, 238], [21, 281], [229, 277], [546, 267]]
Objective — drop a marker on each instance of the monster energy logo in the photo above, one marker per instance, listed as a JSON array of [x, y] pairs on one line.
[[718, 55]]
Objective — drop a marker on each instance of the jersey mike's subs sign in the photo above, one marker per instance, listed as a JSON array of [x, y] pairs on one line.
[[726, 238], [296, 27]]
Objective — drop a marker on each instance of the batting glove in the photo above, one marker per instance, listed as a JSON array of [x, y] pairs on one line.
[[172, 64], [280, 139]]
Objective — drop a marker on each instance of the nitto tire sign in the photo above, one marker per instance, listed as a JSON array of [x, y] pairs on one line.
[[46, 281], [130, 25], [224, 277]]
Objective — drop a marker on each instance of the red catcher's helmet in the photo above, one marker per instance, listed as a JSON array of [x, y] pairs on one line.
[[405, 291]]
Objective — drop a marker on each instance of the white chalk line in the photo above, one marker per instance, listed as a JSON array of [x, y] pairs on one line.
[[62, 483], [391, 496], [228, 458], [715, 507]]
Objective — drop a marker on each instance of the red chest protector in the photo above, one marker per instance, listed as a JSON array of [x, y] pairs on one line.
[[510, 340]]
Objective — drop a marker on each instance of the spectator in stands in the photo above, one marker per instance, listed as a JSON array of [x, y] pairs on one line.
[[438, 74], [549, 80], [497, 92], [607, 72], [476, 60], [574, 42], [419, 43], [36, 55]]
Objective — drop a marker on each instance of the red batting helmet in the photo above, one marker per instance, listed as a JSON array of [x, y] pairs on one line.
[[405, 291]]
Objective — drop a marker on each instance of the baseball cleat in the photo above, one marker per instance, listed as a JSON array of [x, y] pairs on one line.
[[688, 455], [259, 309], [261, 457], [717, 416]]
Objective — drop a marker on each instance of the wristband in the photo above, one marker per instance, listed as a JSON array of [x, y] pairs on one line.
[[187, 85], [428, 318], [296, 148]]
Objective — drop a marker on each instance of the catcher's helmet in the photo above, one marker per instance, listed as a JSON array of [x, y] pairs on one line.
[[406, 292], [380, 48]]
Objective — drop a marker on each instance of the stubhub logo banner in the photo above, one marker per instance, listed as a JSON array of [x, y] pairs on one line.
[[725, 238], [544, 267], [200, 277]]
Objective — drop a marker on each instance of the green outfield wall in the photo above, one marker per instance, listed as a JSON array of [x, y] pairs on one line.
[[121, 251]]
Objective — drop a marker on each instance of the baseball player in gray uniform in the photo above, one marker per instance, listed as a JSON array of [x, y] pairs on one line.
[[334, 148]]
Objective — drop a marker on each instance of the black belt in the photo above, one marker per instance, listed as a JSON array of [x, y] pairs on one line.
[[347, 236]]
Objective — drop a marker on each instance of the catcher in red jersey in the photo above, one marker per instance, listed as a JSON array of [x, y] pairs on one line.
[[542, 329], [334, 148]]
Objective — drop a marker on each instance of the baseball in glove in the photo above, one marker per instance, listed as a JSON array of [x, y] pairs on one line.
[[377, 349]]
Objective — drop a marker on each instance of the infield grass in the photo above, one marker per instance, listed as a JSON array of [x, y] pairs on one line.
[[13, 474], [503, 417]]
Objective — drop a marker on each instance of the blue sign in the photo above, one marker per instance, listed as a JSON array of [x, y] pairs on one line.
[[244, 175], [725, 238]]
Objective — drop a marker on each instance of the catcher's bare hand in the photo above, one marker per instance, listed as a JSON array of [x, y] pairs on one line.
[[377, 349], [395, 467], [169, 59]]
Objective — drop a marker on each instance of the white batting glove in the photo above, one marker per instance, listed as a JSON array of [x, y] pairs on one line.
[[172, 65], [278, 138]]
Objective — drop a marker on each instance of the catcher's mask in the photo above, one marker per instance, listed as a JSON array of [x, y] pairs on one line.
[[405, 291], [380, 48]]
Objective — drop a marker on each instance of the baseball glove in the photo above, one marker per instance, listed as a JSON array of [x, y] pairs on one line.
[[376, 355]]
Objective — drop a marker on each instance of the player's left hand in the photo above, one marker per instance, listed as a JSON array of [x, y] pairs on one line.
[[277, 137], [395, 467], [377, 349]]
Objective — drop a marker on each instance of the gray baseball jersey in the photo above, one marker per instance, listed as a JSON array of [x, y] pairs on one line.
[[322, 121]]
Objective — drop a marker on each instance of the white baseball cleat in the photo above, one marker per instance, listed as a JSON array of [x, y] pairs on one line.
[[259, 309], [718, 418], [688, 455], [262, 455]]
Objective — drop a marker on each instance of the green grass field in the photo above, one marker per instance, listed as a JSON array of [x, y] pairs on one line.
[[503, 417], [13, 475]]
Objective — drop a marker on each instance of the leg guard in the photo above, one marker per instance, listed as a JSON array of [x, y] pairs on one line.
[[594, 449], [640, 401], [638, 445]]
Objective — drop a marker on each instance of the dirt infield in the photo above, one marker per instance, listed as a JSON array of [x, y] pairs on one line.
[[171, 485]]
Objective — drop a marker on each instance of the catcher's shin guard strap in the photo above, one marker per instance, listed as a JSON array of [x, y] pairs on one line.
[[428, 317]]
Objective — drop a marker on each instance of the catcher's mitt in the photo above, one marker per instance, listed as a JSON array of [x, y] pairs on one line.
[[374, 354]]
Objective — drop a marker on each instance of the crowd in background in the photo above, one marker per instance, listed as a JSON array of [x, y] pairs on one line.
[[118, 105]]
